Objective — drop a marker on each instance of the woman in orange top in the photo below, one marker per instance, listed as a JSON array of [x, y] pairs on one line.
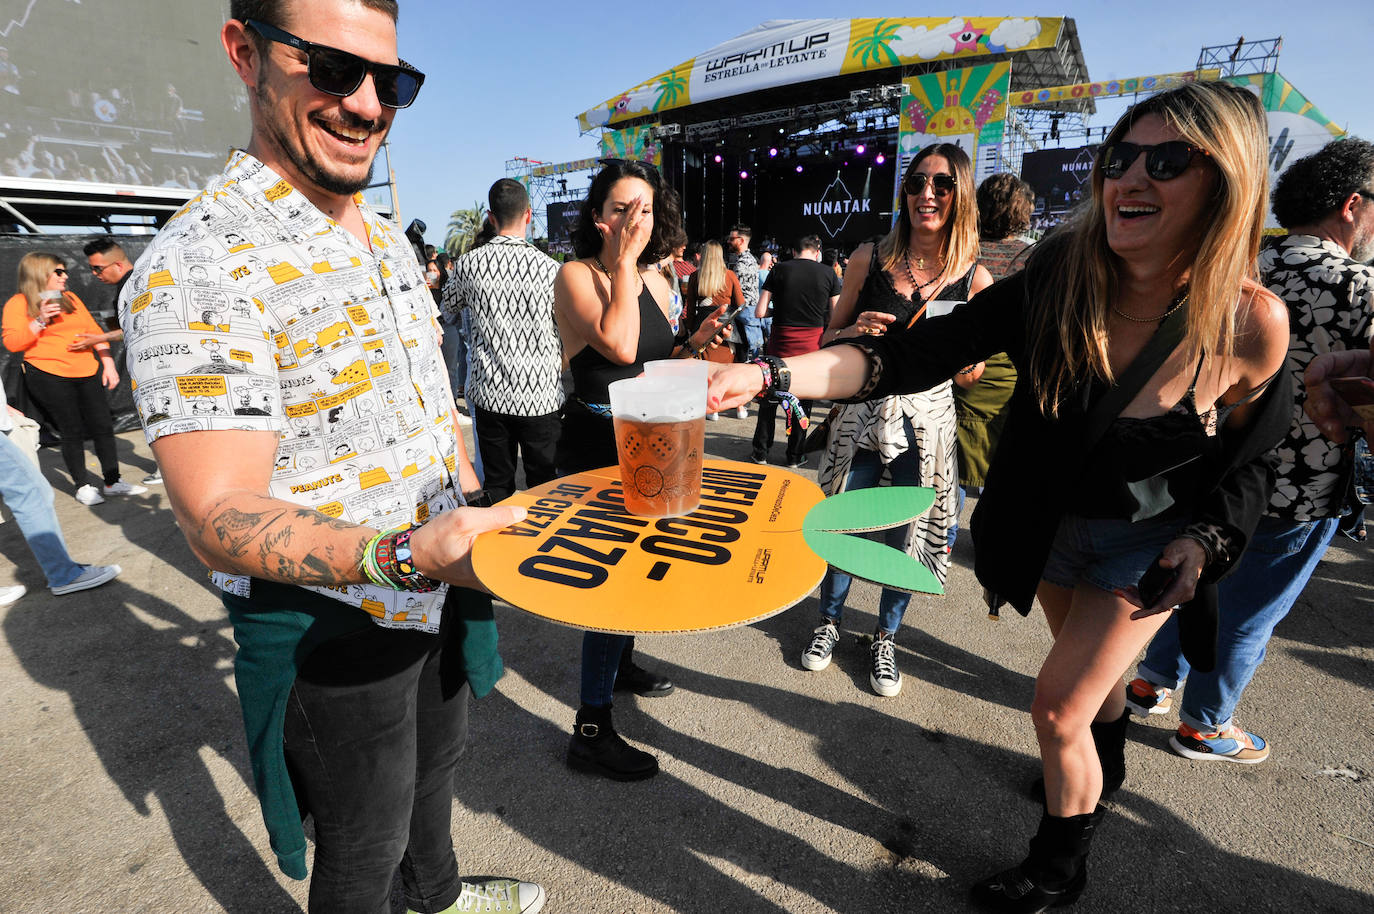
[[65, 382]]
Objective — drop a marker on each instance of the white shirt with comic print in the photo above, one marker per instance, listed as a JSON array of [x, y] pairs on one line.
[[253, 310]]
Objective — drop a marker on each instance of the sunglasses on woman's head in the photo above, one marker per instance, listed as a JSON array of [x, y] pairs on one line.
[[942, 183], [340, 73], [1163, 161]]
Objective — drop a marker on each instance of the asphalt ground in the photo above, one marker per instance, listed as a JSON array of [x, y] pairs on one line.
[[125, 782]]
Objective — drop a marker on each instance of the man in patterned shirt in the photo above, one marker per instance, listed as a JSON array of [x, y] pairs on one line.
[[283, 347], [516, 357], [1326, 202], [742, 261]]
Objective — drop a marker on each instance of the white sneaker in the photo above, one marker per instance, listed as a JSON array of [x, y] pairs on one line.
[[884, 678], [712, 417], [741, 412], [462, 420], [153, 479], [93, 576], [88, 495], [120, 487], [9, 595], [501, 895], [818, 652]]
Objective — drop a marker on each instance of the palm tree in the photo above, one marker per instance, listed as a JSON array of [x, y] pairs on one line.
[[669, 88], [463, 226], [874, 49]]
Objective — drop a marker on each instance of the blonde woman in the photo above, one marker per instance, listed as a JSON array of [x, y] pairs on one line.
[[1148, 392], [710, 287], [43, 321], [926, 265]]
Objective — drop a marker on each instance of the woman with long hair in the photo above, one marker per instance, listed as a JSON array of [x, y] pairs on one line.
[[711, 287], [927, 263], [612, 311], [1132, 469], [43, 321]]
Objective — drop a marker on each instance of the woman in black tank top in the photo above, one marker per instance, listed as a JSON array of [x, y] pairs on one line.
[[612, 314]]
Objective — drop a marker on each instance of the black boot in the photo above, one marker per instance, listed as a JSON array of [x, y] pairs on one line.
[[1054, 874], [630, 677], [1109, 738], [597, 749]]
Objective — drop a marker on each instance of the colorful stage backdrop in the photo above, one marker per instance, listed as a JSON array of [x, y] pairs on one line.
[[783, 52]]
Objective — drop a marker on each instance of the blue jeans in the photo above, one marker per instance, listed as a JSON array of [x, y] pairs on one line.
[[374, 762], [30, 501], [455, 352], [1253, 599], [864, 473], [601, 654], [753, 331]]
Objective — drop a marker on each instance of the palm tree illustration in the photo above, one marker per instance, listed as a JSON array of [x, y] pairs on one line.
[[669, 88], [873, 48]]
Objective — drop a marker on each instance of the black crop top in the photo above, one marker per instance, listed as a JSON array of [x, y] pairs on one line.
[[1148, 467], [593, 373], [879, 294]]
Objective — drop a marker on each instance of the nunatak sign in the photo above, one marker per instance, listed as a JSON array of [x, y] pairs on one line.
[[581, 559]]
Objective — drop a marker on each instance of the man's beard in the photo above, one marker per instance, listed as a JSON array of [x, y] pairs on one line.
[[1362, 247], [326, 180]]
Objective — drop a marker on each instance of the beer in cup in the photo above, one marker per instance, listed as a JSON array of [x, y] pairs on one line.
[[660, 437]]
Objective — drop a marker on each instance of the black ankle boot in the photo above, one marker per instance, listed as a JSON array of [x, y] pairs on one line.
[[1052, 875], [630, 677], [1109, 739], [597, 749]]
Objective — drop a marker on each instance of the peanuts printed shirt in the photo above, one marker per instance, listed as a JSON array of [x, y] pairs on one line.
[[1329, 299], [253, 310]]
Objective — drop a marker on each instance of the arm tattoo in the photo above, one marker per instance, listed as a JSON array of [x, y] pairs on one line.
[[282, 540]]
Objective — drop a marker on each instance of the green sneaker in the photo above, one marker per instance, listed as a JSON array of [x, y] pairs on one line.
[[498, 895]]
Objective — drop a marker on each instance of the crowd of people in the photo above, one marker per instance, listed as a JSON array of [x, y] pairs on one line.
[[1126, 397]]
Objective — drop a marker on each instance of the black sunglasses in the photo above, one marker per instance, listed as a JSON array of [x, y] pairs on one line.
[[340, 73], [943, 184], [1163, 161]]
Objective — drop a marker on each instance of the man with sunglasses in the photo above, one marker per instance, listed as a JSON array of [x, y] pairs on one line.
[[331, 511], [1326, 202]]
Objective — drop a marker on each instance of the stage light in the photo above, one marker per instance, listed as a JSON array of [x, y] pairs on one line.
[[859, 149], [719, 159], [880, 159], [799, 169], [772, 152], [743, 175]]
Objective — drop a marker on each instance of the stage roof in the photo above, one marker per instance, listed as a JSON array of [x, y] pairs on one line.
[[813, 59]]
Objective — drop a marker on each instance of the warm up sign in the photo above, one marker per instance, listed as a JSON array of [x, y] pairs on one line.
[[758, 544], [581, 560]]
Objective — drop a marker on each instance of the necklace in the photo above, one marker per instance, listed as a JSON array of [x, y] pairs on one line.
[[911, 276], [609, 278], [1151, 320]]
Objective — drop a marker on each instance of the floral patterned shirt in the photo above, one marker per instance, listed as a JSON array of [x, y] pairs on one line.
[[1329, 297], [253, 310]]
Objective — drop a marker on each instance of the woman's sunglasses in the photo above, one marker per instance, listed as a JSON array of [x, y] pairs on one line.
[[340, 73], [943, 184], [1163, 161]]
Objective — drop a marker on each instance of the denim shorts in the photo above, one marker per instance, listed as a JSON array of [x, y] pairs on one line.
[[1108, 553]]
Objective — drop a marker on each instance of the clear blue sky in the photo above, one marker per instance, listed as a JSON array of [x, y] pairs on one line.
[[508, 79]]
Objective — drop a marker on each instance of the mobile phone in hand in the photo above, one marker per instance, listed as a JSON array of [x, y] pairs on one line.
[[1358, 392], [1154, 582]]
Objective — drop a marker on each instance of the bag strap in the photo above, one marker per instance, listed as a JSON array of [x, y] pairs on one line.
[[1133, 379]]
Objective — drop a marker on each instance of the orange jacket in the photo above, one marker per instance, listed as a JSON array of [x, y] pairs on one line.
[[47, 350]]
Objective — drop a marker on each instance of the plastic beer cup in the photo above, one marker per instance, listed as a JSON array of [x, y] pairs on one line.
[[660, 437]]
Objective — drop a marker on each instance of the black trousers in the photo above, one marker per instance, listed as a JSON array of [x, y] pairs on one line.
[[80, 410], [504, 440], [764, 431]]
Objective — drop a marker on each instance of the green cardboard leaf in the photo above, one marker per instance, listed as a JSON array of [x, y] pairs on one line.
[[862, 510], [876, 562]]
